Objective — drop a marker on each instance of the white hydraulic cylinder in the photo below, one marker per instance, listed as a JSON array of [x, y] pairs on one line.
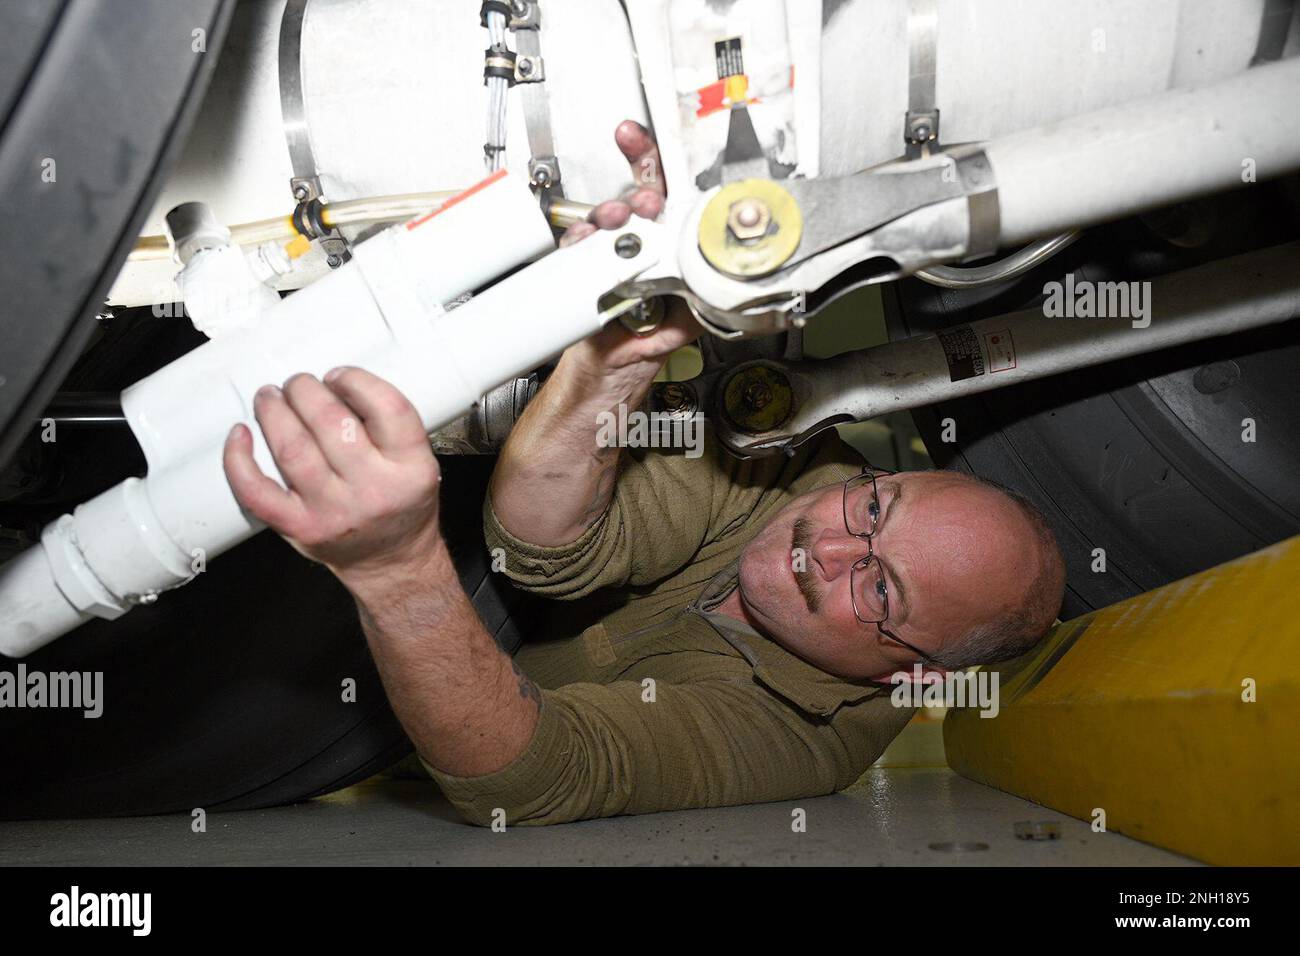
[[383, 311], [1169, 147]]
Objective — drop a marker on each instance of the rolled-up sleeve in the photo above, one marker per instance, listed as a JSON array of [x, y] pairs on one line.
[[658, 517], [601, 750]]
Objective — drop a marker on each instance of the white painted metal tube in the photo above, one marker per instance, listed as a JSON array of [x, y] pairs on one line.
[[1121, 160], [383, 312]]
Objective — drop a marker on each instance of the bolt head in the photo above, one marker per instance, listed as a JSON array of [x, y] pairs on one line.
[[628, 245], [525, 67], [748, 219], [921, 130], [677, 399], [333, 261], [757, 399], [758, 396]]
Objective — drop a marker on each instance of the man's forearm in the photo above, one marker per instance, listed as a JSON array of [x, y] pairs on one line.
[[553, 479], [466, 706]]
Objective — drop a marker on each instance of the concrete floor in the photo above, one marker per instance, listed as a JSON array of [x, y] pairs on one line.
[[889, 817]]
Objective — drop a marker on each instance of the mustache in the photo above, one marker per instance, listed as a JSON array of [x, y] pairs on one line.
[[801, 542]]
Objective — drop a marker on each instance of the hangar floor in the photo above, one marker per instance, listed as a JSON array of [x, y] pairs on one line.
[[892, 816]]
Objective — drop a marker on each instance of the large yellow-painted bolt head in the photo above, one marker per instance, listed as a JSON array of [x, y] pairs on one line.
[[750, 228]]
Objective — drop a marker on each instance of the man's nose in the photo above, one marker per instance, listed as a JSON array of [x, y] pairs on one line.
[[835, 552]]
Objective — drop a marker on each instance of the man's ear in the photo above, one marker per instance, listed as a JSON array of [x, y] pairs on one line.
[[918, 674]]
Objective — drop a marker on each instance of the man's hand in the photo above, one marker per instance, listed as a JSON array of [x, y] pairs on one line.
[[614, 350], [553, 454], [363, 481], [363, 500]]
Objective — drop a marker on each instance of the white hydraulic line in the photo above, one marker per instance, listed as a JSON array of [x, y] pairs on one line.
[[383, 311]]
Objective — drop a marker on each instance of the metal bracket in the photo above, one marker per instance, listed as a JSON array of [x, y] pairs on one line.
[[544, 172], [742, 155], [921, 132], [307, 220], [921, 124], [305, 183], [525, 15], [838, 209], [530, 72], [981, 190], [529, 69]]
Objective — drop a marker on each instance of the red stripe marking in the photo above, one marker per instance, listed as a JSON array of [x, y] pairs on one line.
[[459, 197], [711, 98]]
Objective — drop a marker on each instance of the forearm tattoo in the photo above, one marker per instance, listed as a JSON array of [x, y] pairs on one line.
[[527, 689]]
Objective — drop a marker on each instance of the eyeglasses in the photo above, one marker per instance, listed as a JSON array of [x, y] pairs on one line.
[[868, 588]]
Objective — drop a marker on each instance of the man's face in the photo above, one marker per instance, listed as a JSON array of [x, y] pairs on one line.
[[953, 553]]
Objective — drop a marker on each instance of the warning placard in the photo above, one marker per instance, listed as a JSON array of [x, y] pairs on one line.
[[1001, 349], [729, 58], [961, 347]]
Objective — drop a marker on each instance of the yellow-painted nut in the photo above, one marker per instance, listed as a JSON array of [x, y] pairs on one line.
[[748, 251]]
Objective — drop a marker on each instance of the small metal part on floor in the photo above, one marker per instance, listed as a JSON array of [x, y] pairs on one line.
[[1174, 713]]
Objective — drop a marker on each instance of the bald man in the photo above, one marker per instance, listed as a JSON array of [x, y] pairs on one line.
[[720, 632]]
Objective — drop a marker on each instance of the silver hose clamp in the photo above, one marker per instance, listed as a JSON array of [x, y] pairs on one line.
[[980, 186]]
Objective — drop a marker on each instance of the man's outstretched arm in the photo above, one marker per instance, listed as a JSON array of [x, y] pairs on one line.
[[552, 455], [363, 500]]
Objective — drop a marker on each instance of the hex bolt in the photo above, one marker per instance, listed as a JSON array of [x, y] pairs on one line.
[[749, 218], [525, 67], [757, 399], [758, 395], [628, 245], [677, 398]]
